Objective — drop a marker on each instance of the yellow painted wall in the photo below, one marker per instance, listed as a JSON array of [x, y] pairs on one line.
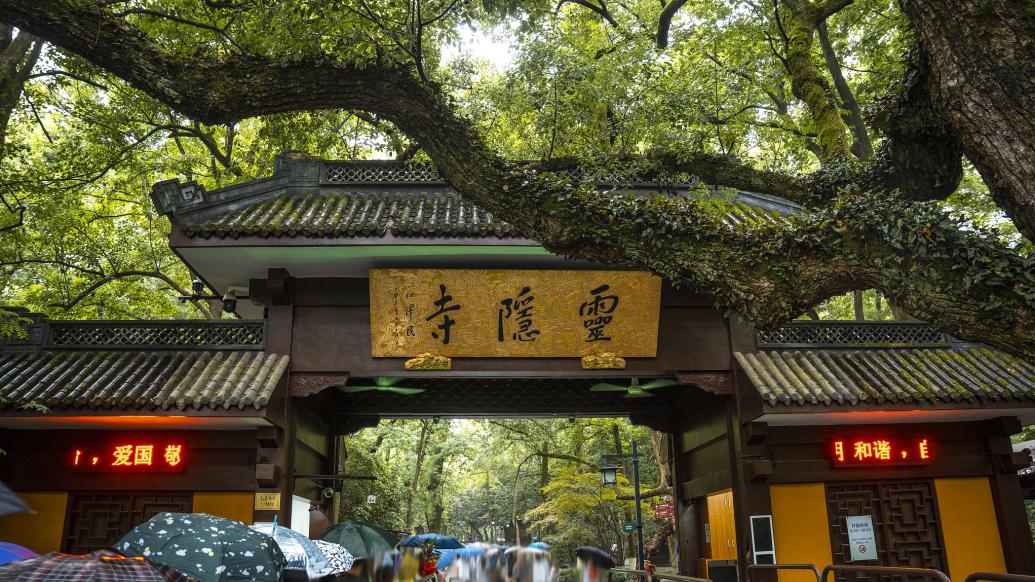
[[231, 505], [969, 527], [40, 531], [800, 528]]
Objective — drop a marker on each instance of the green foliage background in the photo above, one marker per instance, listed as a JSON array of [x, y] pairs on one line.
[[484, 472], [84, 148]]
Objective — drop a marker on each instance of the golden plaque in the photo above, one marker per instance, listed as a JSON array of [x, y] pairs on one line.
[[267, 501], [513, 313]]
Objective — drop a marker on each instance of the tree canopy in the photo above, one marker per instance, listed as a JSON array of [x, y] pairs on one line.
[[494, 479], [904, 131]]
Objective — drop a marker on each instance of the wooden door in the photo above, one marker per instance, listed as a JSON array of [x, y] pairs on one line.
[[723, 526]]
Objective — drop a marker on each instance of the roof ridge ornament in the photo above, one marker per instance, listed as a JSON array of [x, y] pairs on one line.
[[170, 196]]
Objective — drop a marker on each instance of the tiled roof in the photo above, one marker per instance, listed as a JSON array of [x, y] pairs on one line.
[[139, 380], [421, 213], [889, 376]]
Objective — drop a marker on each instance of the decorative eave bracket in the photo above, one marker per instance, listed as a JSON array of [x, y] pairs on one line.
[[303, 385]]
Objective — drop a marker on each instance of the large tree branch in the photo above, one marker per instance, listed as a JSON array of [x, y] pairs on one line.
[[921, 154], [768, 270], [665, 22], [598, 9]]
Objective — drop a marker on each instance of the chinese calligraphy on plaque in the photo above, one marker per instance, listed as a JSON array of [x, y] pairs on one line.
[[517, 313]]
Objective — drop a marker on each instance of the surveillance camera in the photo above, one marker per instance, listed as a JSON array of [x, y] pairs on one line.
[[198, 287], [327, 492], [231, 296]]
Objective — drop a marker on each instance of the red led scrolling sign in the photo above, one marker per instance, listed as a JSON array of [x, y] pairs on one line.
[[880, 451], [131, 457]]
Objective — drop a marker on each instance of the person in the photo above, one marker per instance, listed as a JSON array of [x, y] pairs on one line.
[[593, 564]]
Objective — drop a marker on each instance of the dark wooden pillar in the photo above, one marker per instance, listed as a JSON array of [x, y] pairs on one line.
[[750, 463], [275, 293], [1014, 531]]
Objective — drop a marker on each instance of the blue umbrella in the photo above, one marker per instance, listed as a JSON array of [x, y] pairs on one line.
[[441, 541], [540, 545], [474, 552], [10, 552], [445, 558]]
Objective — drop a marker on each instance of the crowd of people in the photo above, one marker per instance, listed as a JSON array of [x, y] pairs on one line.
[[477, 562]]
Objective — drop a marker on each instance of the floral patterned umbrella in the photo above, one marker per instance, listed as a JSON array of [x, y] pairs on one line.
[[339, 557], [300, 552], [205, 547]]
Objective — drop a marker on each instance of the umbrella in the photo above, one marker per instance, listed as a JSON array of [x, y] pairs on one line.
[[299, 551], [539, 545], [11, 503], [445, 558], [340, 558], [595, 556], [441, 541], [360, 539], [102, 566], [209, 548], [10, 552]]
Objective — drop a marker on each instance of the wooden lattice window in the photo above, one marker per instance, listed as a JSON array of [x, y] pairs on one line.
[[98, 520], [905, 521]]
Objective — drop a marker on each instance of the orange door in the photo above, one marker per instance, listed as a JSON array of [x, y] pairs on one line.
[[723, 544]]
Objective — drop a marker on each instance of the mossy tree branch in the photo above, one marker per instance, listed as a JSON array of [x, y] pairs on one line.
[[963, 281]]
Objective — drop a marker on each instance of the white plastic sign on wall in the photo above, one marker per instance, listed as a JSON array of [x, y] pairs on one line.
[[861, 539]]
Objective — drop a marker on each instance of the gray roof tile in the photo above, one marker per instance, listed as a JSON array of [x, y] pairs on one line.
[[139, 380], [436, 211], [888, 376]]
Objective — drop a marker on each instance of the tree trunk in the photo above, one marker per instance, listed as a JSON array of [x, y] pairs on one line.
[[982, 64], [863, 147], [18, 55], [435, 493], [808, 85], [629, 542], [421, 445], [858, 307]]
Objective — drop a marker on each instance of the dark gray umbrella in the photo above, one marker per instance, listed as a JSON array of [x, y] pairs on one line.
[[9, 502], [361, 539]]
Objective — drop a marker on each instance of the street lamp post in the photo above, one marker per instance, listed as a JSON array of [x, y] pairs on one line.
[[609, 474]]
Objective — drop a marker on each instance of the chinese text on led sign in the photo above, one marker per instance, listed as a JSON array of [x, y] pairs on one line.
[[847, 452], [131, 456]]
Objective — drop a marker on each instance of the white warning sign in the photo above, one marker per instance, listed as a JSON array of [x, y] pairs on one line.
[[861, 539]]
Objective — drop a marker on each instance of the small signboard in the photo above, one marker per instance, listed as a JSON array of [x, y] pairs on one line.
[[665, 509], [861, 539], [267, 501], [371, 499], [628, 527]]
